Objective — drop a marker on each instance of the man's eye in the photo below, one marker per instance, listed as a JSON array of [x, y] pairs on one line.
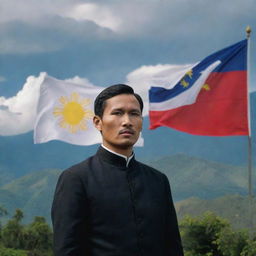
[[135, 113], [117, 113]]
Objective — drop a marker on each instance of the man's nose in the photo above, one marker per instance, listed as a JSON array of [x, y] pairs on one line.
[[126, 120]]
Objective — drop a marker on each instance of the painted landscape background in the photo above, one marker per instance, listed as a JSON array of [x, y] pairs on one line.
[[108, 42]]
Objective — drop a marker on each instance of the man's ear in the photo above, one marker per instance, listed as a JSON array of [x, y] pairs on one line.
[[97, 122]]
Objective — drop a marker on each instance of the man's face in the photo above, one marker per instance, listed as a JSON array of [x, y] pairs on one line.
[[121, 122]]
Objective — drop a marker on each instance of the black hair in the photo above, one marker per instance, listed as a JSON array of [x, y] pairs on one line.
[[111, 91]]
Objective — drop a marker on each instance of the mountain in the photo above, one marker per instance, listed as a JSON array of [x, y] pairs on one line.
[[189, 177], [32, 193], [235, 208]]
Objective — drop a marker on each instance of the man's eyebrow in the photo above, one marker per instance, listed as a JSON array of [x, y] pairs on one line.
[[115, 109], [130, 110]]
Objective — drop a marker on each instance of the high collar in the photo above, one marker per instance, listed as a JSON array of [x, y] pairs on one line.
[[114, 159]]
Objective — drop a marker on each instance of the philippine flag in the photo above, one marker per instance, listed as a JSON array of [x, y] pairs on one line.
[[65, 112], [208, 98]]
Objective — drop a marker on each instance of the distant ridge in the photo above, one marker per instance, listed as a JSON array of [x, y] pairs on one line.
[[234, 208], [189, 177], [32, 193]]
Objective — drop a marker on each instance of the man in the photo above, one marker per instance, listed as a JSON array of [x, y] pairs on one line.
[[111, 204]]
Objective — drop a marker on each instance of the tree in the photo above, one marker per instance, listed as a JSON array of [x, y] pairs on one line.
[[18, 216], [210, 235], [199, 235], [38, 235], [249, 249], [3, 211], [232, 243], [12, 232], [11, 252]]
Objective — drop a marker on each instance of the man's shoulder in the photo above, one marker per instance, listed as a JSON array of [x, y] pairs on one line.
[[80, 168]]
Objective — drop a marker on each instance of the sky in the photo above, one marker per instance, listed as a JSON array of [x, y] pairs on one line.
[[107, 42]]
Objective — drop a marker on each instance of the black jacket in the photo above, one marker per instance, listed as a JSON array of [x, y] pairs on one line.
[[103, 208]]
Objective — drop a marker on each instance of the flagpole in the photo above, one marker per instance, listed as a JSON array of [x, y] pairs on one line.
[[250, 190]]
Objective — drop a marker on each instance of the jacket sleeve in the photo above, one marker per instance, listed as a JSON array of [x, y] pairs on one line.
[[69, 216], [173, 239]]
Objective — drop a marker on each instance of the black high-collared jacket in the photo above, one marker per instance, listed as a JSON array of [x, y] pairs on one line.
[[103, 208]]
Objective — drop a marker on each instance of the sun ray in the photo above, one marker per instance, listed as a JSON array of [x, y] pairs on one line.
[[85, 102], [73, 113], [63, 100], [83, 125], [63, 124], [57, 111]]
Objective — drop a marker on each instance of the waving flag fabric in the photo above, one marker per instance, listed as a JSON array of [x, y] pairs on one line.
[[65, 112], [208, 98]]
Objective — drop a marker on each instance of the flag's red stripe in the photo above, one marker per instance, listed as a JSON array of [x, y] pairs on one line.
[[220, 111]]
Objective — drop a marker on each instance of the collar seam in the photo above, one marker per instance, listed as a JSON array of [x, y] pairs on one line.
[[127, 159]]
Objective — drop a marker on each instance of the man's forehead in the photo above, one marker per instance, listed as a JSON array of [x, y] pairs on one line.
[[122, 101]]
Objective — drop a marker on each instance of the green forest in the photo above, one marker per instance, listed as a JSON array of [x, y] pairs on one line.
[[204, 235]]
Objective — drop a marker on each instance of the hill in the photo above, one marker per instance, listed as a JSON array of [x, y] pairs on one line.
[[235, 208], [189, 177], [32, 193]]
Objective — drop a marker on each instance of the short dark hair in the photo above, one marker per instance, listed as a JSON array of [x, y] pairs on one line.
[[111, 91]]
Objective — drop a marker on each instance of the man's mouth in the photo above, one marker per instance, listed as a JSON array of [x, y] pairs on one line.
[[126, 131]]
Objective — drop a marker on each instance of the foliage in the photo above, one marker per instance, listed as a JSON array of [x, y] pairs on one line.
[[12, 252], [34, 239], [12, 232], [210, 235], [231, 243], [249, 249], [206, 235], [200, 234], [38, 235], [3, 211]]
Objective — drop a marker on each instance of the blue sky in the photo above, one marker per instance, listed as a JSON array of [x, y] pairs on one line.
[[107, 42]]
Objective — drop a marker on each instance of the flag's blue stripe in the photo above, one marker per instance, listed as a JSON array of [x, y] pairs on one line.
[[233, 58]]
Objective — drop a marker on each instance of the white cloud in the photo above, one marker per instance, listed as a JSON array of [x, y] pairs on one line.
[[31, 11], [36, 13], [150, 19], [81, 81], [17, 114], [101, 15], [133, 16]]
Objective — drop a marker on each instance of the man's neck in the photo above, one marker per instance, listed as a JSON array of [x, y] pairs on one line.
[[127, 159], [125, 153]]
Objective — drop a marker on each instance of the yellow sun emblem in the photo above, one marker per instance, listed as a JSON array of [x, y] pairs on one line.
[[72, 113]]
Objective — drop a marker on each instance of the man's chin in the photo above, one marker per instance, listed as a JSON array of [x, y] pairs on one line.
[[126, 143]]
